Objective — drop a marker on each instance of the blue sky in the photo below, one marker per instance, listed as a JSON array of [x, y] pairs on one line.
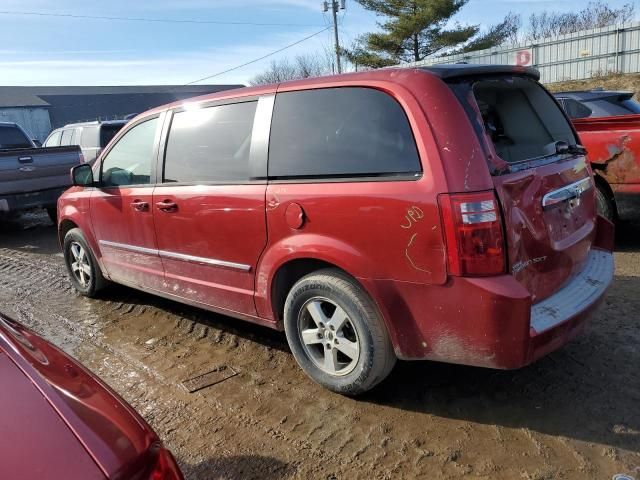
[[38, 50]]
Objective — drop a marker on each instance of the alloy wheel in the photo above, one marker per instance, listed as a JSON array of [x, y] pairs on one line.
[[328, 336], [80, 265]]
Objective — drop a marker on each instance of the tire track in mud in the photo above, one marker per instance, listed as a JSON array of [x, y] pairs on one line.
[[144, 346]]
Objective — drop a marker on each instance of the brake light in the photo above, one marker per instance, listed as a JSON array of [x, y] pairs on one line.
[[166, 467], [474, 234]]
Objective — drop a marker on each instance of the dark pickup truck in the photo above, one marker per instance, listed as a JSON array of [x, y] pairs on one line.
[[32, 177]]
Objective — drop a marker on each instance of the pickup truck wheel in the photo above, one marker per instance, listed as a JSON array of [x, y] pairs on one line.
[[605, 204], [84, 271], [336, 333], [53, 215]]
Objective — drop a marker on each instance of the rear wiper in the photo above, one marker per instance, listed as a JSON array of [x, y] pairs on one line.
[[577, 149], [561, 147]]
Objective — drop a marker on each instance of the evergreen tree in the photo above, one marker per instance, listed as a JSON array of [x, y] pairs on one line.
[[415, 29]]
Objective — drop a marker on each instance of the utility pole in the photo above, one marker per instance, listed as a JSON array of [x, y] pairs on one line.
[[335, 6]]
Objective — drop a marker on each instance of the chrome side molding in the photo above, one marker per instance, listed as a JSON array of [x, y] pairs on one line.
[[568, 192], [176, 256]]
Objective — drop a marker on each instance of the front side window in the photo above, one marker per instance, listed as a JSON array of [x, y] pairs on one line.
[[129, 161], [210, 144], [54, 139], [67, 137], [340, 132]]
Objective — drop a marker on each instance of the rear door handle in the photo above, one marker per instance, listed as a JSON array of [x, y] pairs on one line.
[[140, 206], [25, 159], [167, 206]]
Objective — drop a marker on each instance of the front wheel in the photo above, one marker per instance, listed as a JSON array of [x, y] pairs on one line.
[[53, 215], [336, 333], [84, 271]]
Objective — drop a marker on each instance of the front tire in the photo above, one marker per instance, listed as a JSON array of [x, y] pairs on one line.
[[84, 271], [336, 333]]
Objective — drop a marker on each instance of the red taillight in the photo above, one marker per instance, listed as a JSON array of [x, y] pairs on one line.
[[473, 230], [166, 467], [82, 160]]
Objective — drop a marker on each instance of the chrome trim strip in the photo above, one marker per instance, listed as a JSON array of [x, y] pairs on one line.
[[177, 256], [573, 190], [131, 248], [204, 261]]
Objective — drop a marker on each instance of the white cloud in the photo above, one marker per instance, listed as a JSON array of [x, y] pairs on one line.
[[109, 68]]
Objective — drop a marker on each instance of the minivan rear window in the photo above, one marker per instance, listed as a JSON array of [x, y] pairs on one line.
[[340, 132], [518, 115]]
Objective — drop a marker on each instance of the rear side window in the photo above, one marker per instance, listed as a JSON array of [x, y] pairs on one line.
[[54, 139], [13, 137], [210, 144], [521, 118], [89, 137], [576, 109], [340, 132]]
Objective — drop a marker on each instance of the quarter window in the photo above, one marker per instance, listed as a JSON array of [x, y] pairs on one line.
[[210, 144], [129, 161], [337, 132]]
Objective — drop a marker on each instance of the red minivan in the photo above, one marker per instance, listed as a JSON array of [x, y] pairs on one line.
[[443, 213]]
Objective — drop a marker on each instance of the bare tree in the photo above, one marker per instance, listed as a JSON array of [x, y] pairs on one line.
[[302, 66], [595, 15]]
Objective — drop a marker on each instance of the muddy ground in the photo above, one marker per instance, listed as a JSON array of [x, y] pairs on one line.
[[574, 414]]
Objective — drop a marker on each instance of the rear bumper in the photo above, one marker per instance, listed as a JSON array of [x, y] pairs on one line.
[[559, 318], [24, 201], [490, 322]]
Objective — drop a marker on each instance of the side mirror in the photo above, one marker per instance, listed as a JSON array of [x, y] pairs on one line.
[[82, 175]]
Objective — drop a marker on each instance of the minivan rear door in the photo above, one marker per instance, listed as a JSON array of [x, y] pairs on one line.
[[540, 174]]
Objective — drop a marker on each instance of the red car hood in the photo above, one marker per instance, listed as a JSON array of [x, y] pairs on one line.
[[57, 418], [35, 442]]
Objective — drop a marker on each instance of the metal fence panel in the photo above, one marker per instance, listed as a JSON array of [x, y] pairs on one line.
[[574, 56]]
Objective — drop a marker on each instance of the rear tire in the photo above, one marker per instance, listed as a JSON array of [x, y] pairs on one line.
[[84, 271], [336, 333], [605, 204]]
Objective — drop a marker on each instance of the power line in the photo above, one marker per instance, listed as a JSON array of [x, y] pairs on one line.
[[154, 20], [258, 59]]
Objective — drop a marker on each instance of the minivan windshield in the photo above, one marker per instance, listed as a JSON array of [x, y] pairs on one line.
[[520, 118]]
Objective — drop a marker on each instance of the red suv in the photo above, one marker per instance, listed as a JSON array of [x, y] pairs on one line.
[[441, 213]]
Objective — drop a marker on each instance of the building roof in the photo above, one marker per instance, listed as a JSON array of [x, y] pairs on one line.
[[80, 104], [15, 96]]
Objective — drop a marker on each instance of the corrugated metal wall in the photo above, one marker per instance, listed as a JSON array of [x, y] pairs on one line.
[[34, 120], [574, 56]]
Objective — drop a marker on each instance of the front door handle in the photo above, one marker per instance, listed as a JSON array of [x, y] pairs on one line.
[[167, 206], [140, 206]]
